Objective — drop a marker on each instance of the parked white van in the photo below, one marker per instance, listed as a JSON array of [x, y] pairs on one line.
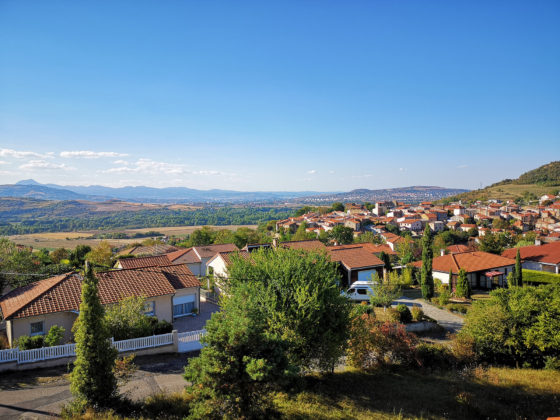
[[360, 291]]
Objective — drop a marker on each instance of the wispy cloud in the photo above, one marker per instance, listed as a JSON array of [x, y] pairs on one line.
[[18, 154], [402, 169], [3, 162], [462, 166], [362, 176], [88, 154], [312, 171], [153, 167], [43, 164]]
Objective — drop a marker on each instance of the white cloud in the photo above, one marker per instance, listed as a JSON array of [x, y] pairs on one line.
[[152, 167], [3, 162], [462, 166], [331, 172], [19, 154], [402, 169], [88, 154], [43, 164], [362, 176], [312, 171]]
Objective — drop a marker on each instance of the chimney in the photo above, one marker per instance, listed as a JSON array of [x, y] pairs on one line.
[[442, 252], [275, 243], [538, 241]]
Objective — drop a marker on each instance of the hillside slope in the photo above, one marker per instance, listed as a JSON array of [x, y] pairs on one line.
[[529, 186]]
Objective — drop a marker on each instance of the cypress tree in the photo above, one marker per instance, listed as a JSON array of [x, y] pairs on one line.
[[463, 288], [386, 260], [426, 279], [451, 280], [518, 270], [93, 382]]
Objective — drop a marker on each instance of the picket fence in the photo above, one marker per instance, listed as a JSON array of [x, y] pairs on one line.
[[68, 350]]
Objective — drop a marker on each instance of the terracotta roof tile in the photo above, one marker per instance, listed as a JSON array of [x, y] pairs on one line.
[[354, 256], [547, 253], [470, 261], [209, 251], [63, 293], [140, 262]]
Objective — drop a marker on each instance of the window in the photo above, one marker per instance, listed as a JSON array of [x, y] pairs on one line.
[[351, 291], [150, 308], [37, 328], [362, 291], [183, 309]]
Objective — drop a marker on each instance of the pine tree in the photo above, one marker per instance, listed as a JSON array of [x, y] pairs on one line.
[[93, 382], [426, 278], [463, 288], [518, 270]]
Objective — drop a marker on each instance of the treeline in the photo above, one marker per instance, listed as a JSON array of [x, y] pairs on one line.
[[149, 218]]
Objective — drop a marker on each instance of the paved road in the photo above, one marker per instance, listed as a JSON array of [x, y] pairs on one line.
[[22, 397], [451, 322]]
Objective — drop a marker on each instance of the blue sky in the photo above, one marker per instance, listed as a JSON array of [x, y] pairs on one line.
[[288, 95]]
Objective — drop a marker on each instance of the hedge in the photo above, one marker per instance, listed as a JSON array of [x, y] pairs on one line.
[[540, 277]]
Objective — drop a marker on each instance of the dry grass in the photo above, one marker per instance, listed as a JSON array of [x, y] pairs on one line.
[[53, 240], [493, 393]]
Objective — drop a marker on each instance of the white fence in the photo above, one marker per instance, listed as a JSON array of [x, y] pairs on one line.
[[188, 341]]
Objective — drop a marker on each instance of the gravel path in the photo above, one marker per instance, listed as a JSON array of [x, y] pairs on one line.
[[451, 322]]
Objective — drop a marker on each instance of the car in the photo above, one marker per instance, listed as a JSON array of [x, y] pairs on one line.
[[360, 291]]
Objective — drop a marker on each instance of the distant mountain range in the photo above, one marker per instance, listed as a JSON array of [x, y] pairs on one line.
[[32, 189]]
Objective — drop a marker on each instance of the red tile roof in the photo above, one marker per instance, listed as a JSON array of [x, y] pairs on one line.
[[354, 256], [63, 293], [547, 253], [208, 251], [470, 261], [140, 262], [309, 245]]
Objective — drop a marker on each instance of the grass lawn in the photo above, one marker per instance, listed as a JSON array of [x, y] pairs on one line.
[[493, 393]]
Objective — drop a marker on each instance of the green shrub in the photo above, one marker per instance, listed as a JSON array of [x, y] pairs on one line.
[[433, 356], [535, 277], [443, 297], [404, 313], [457, 307], [552, 363], [27, 343], [393, 315], [516, 326], [417, 313], [163, 327], [54, 336]]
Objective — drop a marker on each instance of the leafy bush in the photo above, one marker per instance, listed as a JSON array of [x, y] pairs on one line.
[[417, 313], [54, 336], [535, 277], [27, 343], [162, 327], [552, 363], [433, 356], [373, 344], [462, 349], [457, 307], [516, 326], [404, 313], [126, 319], [443, 298]]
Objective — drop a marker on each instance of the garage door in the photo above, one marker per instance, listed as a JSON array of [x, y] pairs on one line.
[[366, 275]]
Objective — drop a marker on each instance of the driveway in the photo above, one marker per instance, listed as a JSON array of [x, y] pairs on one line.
[[42, 393], [451, 322], [198, 322]]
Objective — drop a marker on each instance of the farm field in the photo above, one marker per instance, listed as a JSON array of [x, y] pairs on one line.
[[53, 240]]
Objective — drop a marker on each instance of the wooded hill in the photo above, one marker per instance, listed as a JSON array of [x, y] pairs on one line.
[[529, 186]]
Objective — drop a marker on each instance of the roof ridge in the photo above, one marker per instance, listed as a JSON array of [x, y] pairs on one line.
[[455, 261]]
